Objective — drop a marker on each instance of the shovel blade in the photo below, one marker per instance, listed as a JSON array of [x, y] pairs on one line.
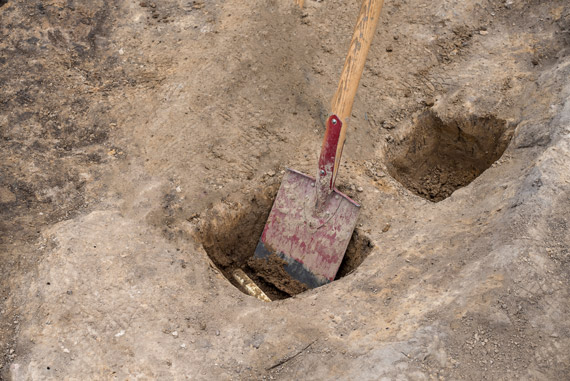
[[310, 243]]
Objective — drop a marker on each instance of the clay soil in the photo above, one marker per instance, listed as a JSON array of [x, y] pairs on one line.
[[142, 143]]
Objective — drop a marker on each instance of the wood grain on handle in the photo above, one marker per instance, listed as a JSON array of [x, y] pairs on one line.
[[353, 66]]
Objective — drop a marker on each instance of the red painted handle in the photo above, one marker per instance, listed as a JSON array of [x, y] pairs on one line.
[[326, 174], [329, 148]]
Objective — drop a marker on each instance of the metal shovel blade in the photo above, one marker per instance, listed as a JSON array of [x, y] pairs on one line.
[[310, 243]]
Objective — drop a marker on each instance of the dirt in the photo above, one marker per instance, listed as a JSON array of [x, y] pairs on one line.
[[358, 249], [438, 157], [143, 142], [272, 271]]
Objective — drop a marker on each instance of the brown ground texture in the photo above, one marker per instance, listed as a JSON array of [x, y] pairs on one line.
[[142, 143]]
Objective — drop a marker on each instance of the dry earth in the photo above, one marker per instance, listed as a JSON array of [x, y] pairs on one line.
[[138, 137]]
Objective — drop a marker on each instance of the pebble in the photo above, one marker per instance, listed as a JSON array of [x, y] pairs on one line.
[[360, 189], [175, 333], [217, 333]]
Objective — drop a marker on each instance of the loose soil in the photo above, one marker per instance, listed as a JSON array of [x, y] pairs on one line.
[[142, 144]]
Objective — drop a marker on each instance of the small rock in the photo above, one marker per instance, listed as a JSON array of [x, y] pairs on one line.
[[178, 189], [360, 189], [386, 228], [389, 49], [271, 173], [217, 333], [175, 333], [483, 32]]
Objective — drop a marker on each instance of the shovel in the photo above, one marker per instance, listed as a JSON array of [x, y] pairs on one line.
[[311, 222]]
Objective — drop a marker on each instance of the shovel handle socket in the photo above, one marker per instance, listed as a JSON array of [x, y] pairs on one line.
[[326, 174]]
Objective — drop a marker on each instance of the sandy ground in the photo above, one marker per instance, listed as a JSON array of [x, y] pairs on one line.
[[142, 143]]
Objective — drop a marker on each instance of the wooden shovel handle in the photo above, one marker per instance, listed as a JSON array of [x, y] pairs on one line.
[[343, 99]]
